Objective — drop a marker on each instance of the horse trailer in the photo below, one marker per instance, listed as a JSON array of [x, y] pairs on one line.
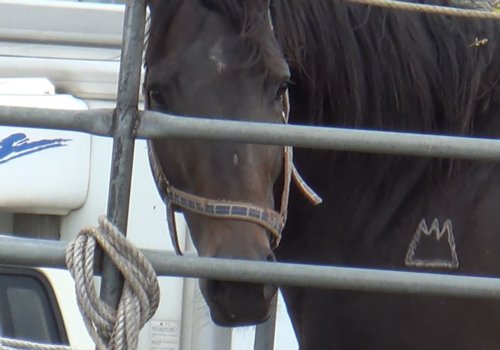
[[66, 55], [66, 59]]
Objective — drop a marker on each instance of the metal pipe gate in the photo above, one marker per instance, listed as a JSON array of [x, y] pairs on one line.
[[36, 252], [126, 123]]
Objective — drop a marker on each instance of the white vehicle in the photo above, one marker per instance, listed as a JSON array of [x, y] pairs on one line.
[[56, 54], [35, 305]]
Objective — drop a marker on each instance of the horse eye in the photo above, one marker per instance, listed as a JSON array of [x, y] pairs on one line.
[[156, 97]]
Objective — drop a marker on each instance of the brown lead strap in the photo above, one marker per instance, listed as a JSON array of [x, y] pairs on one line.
[[172, 228], [290, 168], [163, 185]]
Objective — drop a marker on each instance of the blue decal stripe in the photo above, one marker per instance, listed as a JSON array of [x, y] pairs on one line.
[[19, 145]]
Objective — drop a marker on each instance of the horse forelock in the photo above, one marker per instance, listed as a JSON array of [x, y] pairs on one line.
[[251, 20], [248, 17], [161, 13]]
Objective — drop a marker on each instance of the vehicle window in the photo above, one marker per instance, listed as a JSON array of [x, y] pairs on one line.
[[27, 307]]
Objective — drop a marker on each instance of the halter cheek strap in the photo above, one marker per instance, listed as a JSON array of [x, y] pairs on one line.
[[308, 192]]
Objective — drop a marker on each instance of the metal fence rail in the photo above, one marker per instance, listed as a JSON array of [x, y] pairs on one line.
[[154, 125], [35, 252], [97, 122]]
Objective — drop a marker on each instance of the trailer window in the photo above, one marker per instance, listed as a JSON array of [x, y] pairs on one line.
[[28, 309]]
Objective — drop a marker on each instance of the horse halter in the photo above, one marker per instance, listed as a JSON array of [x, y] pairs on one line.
[[269, 219], [176, 199]]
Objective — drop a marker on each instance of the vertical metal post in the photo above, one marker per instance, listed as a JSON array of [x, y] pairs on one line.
[[123, 141], [264, 333]]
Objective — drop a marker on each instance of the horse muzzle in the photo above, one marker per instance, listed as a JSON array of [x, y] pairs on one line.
[[234, 304]]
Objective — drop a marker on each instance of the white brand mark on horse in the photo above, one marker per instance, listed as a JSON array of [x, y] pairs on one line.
[[217, 55], [428, 249]]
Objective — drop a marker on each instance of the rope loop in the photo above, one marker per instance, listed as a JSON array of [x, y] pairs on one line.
[[14, 344], [484, 9], [140, 294]]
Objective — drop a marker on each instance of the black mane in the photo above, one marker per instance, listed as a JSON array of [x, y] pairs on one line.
[[389, 69], [369, 67]]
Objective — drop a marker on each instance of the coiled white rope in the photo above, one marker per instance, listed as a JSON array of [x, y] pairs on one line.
[[15, 344], [109, 328]]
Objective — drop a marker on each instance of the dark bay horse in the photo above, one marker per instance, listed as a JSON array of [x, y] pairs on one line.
[[346, 65]]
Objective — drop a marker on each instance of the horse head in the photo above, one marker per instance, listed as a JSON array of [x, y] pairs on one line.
[[209, 58]]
